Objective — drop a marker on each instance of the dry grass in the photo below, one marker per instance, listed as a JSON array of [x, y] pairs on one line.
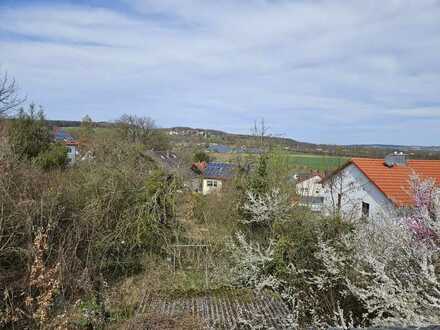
[[154, 321]]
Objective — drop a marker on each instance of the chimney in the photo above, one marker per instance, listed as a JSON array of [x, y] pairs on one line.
[[396, 159]]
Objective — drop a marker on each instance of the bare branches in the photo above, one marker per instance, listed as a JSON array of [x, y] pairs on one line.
[[260, 131], [8, 95], [136, 129]]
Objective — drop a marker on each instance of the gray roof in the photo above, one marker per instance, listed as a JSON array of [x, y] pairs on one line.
[[62, 136], [219, 148], [218, 170]]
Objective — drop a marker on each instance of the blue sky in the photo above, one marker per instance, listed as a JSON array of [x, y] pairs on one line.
[[319, 71]]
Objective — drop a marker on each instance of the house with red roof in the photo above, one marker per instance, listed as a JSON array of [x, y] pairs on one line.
[[366, 187], [65, 138]]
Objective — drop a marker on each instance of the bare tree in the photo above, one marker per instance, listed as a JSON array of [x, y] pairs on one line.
[[260, 131], [136, 129], [8, 95]]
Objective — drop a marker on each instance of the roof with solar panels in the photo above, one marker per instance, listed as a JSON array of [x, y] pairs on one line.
[[62, 136], [220, 171]]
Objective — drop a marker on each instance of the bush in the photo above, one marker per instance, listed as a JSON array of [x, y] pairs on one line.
[[201, 157], [333, 273], [28, 133], [55, 157], [142, 130], [97, 220]]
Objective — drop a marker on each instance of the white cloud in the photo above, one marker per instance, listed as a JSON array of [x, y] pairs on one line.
[[331, 66], [419, 112]]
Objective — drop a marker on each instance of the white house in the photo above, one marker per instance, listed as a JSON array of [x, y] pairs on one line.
[[311, 192], [366, 187], [214, 177], [72, 151], [64, 137]]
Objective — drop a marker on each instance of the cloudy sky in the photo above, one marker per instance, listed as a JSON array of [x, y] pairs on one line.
[[319, 71]]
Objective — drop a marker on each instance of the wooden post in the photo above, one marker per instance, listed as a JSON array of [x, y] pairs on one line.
[[206, 268], [174, 261]]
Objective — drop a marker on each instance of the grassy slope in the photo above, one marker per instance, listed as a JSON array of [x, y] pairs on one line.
[[295, 160], [316, 162]]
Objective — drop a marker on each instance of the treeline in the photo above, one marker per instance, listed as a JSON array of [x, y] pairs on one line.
[[76, 123]]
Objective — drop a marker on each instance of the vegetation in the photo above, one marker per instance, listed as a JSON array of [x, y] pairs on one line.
[[142, 130], [9, 99], [315, 162], [292, 161], [54, 157], [334, 273], [65, 234], [28, 134], [201, 156], [116, 240]]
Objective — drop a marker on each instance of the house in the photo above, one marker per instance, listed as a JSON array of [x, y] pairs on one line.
[[64, 137], [366, 187], [219, 148], [310, 191], [199, 167], [215, 175]]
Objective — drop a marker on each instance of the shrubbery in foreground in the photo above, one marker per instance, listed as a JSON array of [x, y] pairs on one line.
[[65, 234], [367, 273]]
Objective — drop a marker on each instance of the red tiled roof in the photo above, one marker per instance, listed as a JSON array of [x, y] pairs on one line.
[[394, 182], [71, 143], [200, 166]]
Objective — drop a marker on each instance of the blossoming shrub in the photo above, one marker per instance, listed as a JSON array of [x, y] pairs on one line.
[[367, 273]]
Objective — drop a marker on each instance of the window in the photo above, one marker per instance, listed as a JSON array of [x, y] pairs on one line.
[[365, 209], [211, 183], [69, 150]]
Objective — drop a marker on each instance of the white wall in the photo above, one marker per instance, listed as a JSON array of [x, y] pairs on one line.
[[310, 187], [71, 153], [355, 188], [206, 189], [311, 190]]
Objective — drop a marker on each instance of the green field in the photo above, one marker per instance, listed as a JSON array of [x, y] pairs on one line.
[[315, 162], [294, 161]]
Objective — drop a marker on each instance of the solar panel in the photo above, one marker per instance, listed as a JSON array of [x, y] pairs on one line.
[[218, 170], [63, 136]]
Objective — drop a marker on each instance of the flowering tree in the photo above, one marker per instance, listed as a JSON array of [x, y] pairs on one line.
[[263, 209], [424, 220], [384, 273], [249, 260]]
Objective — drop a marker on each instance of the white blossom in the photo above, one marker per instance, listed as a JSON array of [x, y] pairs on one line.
[[266, 208]]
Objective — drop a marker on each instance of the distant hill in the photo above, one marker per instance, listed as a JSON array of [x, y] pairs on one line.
[[75, 123], [203, 135], [362, 150], [397, 147]]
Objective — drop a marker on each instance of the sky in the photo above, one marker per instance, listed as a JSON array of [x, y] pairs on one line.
[[335, 72]]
